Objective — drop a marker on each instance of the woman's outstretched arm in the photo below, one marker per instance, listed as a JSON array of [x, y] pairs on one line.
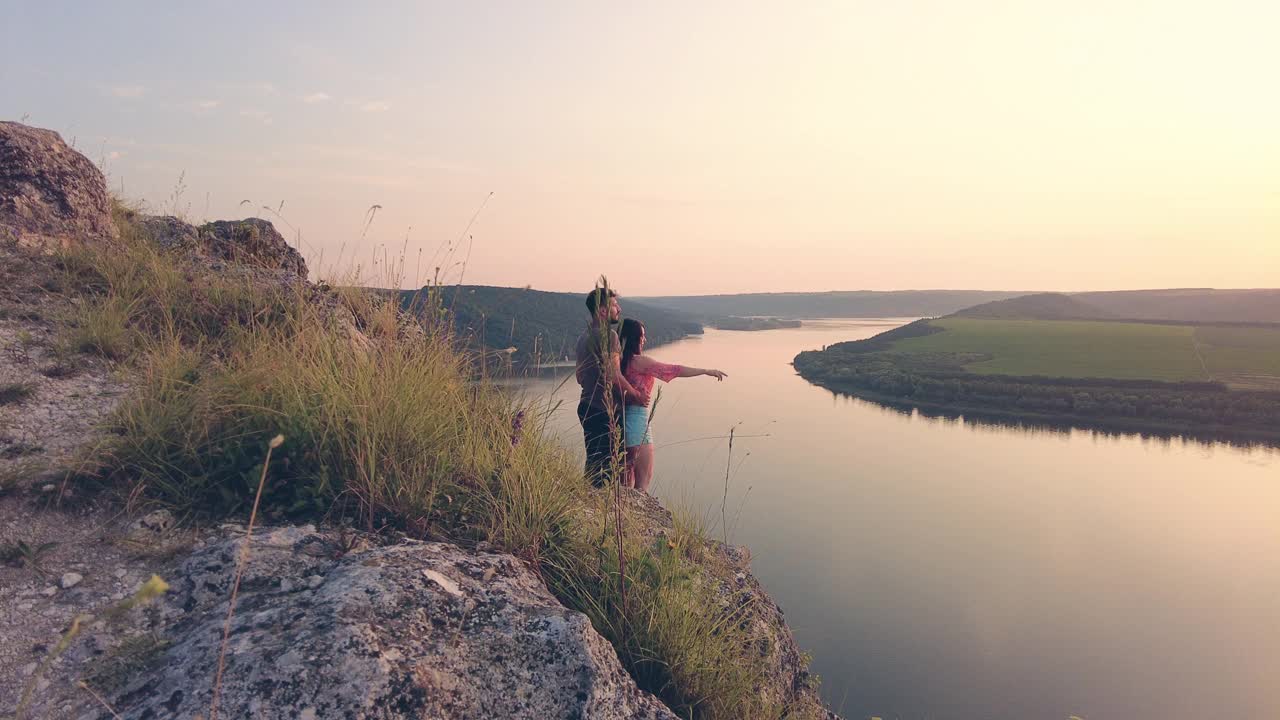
[[686, 371], [668, 372]]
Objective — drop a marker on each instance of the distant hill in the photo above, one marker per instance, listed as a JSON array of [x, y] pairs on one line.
[[1197, 305], [543, 325], [851, 303], [1040, 306], [1193, 305]]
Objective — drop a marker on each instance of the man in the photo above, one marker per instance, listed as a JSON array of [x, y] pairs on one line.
[[604, 389]]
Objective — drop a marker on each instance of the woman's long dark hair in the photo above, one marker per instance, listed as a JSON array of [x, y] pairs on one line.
[[629, 334]]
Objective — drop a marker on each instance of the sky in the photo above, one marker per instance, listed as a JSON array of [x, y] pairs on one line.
[[689, 148]]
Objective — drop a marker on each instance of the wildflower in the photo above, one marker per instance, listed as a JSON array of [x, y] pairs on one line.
[[517, 427], [153, 588]]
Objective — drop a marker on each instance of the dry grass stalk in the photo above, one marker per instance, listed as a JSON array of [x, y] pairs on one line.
[[276, 442]]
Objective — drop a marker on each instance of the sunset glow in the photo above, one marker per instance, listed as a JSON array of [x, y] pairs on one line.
[[692, 148]]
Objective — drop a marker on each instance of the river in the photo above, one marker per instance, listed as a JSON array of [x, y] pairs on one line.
[[949, 569]]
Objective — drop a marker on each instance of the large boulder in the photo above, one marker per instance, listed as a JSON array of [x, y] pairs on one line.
[[415, 629], [166, 231], [251, 241], [50, 194]]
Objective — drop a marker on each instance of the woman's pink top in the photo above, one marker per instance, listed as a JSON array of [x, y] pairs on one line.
[[643, 381]]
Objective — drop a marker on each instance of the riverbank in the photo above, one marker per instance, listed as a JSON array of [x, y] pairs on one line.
[[985, 366], [754, 324], [1209, 434]]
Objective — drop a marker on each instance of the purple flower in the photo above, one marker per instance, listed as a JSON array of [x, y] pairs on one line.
[[517, 427]]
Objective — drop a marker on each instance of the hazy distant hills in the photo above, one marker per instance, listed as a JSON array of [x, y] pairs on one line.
[[542, 325], [1040, 306], [1177, 305], [850, 303], [545, 325]]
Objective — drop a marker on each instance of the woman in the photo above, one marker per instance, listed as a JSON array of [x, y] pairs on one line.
[[640, 370]]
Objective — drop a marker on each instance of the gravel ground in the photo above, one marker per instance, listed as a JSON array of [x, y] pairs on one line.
[[98, 559]]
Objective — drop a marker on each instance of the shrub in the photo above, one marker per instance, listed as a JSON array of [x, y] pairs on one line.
[[390, 428], [14, 393]]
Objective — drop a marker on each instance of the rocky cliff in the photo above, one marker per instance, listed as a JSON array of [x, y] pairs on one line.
[[327, 628], [328, 623]]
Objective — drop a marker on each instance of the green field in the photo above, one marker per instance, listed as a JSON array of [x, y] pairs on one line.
[[1244, 357]]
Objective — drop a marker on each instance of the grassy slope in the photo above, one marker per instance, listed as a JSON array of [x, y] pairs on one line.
[[1067, 348], [1242, 357]]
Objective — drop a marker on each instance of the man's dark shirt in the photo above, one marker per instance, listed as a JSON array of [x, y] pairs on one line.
[[590, 358]]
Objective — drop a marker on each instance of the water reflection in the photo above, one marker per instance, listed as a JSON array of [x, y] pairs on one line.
[[998, 422]]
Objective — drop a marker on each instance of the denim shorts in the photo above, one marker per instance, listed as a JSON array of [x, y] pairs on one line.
[[635, 426]]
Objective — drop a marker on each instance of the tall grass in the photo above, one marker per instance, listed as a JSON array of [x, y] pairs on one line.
[[136, 294], [676, 635], [396, 428]]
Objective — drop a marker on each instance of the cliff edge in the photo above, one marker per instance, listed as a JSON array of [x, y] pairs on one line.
[[449, 565]]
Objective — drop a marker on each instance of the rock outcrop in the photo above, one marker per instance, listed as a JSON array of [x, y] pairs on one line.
[[415, 629], [50, 194], [251, 242], [787, 682], [167, 232]]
